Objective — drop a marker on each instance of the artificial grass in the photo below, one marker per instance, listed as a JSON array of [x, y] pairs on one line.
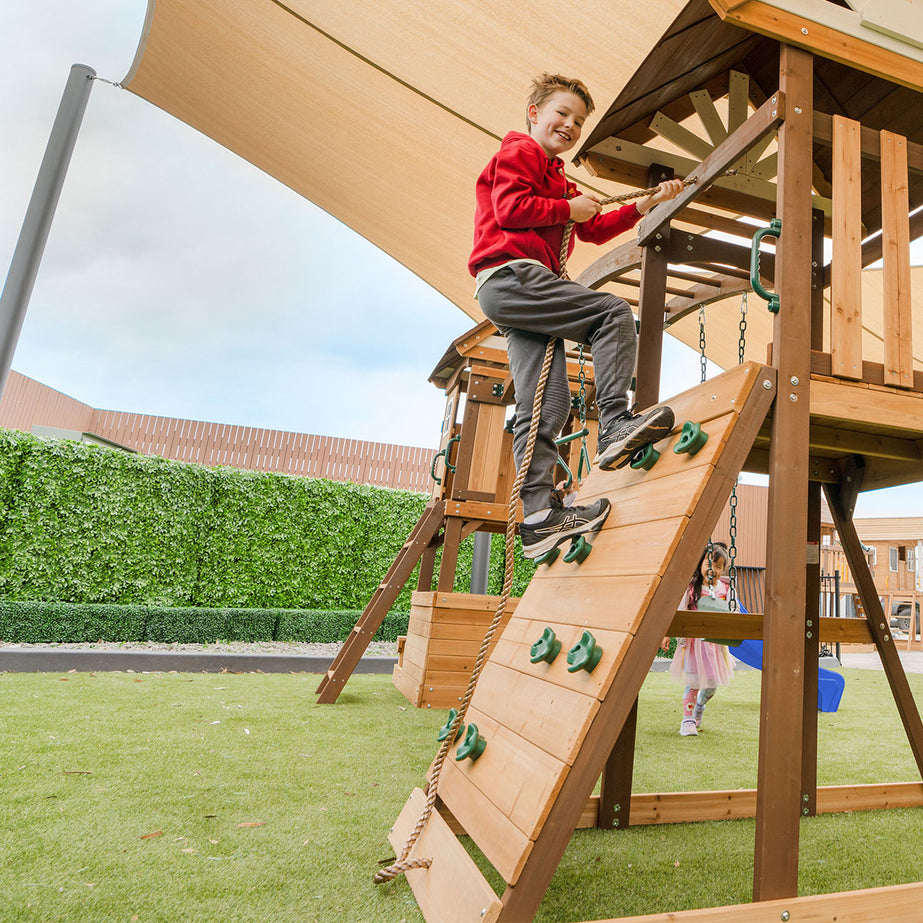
[[164, 797]]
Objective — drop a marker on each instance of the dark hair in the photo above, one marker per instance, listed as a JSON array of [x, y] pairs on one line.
[[718, 550]]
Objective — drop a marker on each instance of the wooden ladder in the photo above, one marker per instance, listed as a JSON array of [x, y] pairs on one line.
[[430, 522]]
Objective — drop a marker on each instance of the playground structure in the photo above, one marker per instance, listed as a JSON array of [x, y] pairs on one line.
[[472, 475], [825, 101]]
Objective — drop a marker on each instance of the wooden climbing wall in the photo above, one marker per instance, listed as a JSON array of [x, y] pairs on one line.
[[549, 731]]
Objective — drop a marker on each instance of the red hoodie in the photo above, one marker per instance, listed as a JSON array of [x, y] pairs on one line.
[[522, 208]]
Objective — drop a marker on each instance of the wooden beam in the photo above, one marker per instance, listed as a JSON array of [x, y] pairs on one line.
[[766, 119], [789, 26], [611, 265], [878, 623], [738, 626], [869, 141], [898, 902], [781, 711], [873, 373]]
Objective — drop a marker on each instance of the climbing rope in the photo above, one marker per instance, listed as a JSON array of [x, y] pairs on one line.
[[403, 862]]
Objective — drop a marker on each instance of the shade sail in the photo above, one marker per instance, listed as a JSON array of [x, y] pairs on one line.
[[384, 114]]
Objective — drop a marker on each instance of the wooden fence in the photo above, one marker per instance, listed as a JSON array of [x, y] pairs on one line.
[[27, 403]]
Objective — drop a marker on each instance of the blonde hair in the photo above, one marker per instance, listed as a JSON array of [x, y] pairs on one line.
[[545, 85]]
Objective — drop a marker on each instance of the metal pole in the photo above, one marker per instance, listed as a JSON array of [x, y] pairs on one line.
[[480, 563], [35, 227]]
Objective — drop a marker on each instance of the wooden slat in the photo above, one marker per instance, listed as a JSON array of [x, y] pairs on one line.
[[846, 290], [452, 872], [897, 307], [523, 789], [900, 902], [513, 651], [406, 683], [857, 404], [552, 718], [506, 847], [737, 804], [592, 602]]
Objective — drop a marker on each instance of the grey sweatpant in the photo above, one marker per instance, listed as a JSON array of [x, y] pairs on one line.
[[529, 304]]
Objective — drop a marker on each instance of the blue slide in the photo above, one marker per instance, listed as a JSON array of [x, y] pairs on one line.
[[830, 685]]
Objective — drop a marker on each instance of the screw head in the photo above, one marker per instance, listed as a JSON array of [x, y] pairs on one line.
[[767, 384], [794, 380], [785, 917]]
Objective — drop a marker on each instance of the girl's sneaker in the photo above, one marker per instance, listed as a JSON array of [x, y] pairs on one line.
[[687, 728]]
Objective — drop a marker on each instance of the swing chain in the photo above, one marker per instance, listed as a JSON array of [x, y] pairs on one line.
[[584, 466], [732, 551], [742, 342], [702, 359]]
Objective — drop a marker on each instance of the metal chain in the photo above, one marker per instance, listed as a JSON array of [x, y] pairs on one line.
[[732, 527], [581, 409], [702, 359], [742, 342]]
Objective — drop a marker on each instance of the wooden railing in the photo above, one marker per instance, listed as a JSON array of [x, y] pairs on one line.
[[852, 144]]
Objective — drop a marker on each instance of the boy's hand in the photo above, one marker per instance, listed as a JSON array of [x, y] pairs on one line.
[[584, 207], [668, 189]]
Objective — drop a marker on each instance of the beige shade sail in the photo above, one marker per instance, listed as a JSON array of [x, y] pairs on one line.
[[383, 114]]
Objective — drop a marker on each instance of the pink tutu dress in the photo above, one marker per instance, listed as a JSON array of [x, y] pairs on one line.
[[700, 664]]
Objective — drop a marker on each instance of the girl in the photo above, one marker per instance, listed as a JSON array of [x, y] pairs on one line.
[[700, 665]]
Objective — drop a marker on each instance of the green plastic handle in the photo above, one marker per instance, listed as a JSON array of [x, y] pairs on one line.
[[444, 453], [446, 729], [472, 746], [584, 655], [546, 648], [774, 230]]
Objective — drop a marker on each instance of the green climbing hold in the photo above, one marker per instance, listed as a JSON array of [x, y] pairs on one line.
[[584, 655], [549, 556], [691, 439], [644, 457], [546, 648], [579, 550], [472, 746], [447, 727]]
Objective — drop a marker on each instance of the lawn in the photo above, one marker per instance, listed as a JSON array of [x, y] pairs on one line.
[[222, 797]]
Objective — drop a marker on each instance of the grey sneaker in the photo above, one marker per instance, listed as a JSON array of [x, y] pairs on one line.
[[561, 524], [630, 432], [687, 728]]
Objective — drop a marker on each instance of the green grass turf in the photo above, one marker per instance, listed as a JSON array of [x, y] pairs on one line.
[[186, 797]]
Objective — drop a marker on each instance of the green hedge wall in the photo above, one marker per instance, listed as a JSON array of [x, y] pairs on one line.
[[85, 524], [69, 623]]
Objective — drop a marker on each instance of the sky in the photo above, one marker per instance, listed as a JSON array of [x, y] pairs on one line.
[[179, 280]]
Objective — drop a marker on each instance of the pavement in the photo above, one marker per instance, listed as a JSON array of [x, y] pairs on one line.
[[52, 660], [45, 660]]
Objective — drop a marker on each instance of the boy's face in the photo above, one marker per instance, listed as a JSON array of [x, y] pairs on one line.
[[557, 123]]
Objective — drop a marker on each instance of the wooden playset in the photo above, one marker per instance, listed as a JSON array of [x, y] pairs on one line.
[[818, 105], [472, 475]]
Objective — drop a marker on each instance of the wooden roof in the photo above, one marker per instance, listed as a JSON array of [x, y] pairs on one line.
[[707, 72]]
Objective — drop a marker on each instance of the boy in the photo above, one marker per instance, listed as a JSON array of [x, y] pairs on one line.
[[524, 202]]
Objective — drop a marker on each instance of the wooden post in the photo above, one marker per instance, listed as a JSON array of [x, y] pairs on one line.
[[782, 704], [811, 654]]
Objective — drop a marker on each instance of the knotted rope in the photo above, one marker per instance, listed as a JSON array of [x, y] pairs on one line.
[[403, 862]]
